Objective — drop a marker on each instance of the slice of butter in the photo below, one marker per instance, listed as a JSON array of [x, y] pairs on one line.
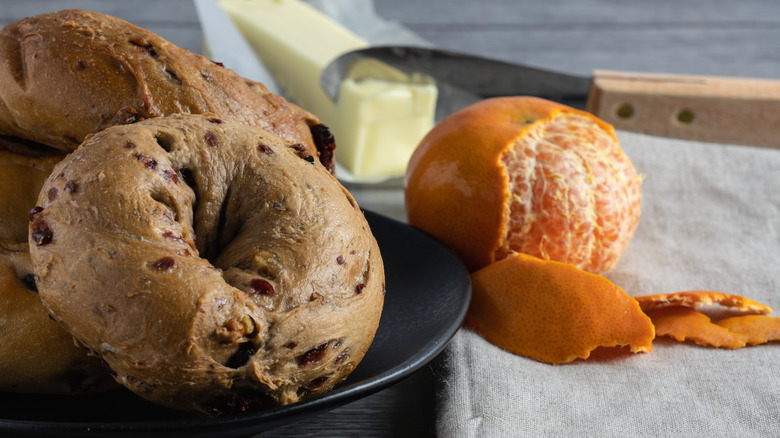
[[381, 114]]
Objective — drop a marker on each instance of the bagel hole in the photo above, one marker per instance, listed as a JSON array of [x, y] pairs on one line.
[[223, 215], [165, 140], [189, 178], [166, 201], [226, 230]]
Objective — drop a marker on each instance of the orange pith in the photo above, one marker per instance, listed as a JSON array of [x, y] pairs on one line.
[[696, 298], [522, 174], [554, 312], [562, 207]]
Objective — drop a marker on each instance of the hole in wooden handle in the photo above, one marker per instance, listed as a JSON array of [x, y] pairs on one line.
[[625, 111], [686, 116]]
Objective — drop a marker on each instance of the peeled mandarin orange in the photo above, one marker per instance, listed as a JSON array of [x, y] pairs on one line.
[[523, 174], [685, 323], [553, 312]]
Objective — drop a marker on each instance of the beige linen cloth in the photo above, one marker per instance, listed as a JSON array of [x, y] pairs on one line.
[[710, 220]]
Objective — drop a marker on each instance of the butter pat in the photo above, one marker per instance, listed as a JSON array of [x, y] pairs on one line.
[[381, 113], [386, 113]]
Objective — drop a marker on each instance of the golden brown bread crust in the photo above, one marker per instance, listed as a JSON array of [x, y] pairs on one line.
[[205, 260], [71, 73], [36, 354], [23, 169]]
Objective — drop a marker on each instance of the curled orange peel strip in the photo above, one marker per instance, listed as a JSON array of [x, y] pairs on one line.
[[697, 298], [554, 312], [687, 324], [759, 329]]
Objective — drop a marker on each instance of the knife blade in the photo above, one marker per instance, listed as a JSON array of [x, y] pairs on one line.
[[705, 108], [481, 76]]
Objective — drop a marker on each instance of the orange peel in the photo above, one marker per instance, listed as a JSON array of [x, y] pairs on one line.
[[687, 324], [554, 312], [759, 329], [698, 298]]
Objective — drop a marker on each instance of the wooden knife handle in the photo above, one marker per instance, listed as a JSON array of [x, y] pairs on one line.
[[706, 108]]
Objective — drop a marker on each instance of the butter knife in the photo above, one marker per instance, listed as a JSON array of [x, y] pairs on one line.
[[706, 108]]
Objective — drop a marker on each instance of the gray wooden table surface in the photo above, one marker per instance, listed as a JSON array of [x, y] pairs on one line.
[[710, 37]]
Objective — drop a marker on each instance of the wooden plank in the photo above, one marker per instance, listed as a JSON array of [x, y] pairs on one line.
[[174, 11], [715, 37], [174, 20], [405, 409]]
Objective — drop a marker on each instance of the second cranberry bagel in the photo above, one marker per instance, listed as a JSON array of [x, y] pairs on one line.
[[206, 261], [70, 73], [36, 354]]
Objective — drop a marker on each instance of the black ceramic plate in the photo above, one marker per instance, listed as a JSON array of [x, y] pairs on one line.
[[427, 296]]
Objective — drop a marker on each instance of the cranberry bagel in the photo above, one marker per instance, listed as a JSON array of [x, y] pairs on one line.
[[70, 73], [207, 261], [36, 354]]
